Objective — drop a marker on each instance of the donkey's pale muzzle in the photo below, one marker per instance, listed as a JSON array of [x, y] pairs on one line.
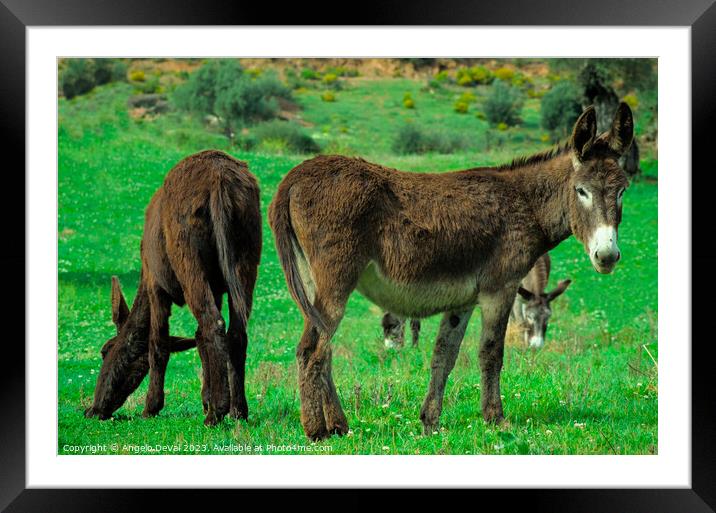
[[603, 250]]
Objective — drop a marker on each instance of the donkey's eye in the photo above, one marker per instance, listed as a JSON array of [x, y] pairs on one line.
[[583, 193]]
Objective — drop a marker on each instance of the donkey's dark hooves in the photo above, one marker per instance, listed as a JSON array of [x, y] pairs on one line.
[[494, 419], [91, 413], [317, 436], [338, 429], [431, 429], [212, 419], [239, 413]]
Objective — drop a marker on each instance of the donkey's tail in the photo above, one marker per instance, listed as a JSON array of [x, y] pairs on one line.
[[220, 209], [287, 247]]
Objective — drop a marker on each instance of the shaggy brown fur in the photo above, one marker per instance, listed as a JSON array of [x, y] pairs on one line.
[[418, 244], [202, 238]]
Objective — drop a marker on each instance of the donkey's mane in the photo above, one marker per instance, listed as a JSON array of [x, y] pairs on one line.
[[537, 158]]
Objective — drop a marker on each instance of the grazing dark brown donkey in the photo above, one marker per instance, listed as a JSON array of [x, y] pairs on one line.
[[202, 238], [531, 310], [418, 244], [394, 330]]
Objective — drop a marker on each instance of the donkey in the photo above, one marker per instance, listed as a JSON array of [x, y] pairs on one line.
[[418, 244], [394, 331], [202, 238], [531, 310]]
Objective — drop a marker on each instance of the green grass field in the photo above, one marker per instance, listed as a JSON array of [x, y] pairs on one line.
[[591, 390]]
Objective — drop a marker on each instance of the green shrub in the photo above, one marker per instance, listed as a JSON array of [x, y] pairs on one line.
[[222, 88], [150, 86], [536, 93], [137, 75], [461, 107], [330, 78], [442, 76], [561, 108], [464, 80], [309, 74], [408, 101], [328, 96], [412, 139], [481, 75], [80, 76], [521, 80], [342, 71], [293, 81], [109, 70], [503, 104], [283, 134], [467, 97], [505, 74]]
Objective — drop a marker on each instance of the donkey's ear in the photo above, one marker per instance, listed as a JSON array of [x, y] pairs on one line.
[[526, 294], [622, 131], [585, 130], [561, 287], [120, 311]]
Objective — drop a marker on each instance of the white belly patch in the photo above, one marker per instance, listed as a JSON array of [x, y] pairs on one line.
[[418, 299]]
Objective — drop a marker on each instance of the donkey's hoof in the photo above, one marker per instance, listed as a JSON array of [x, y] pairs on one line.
[[493, 416], [431, 428], [338, 428], [211, 420], [149, 413], [239, 413], [316, 434], [91, 413], [430, 417]]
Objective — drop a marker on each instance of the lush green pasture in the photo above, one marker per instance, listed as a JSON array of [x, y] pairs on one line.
[[591, 390]]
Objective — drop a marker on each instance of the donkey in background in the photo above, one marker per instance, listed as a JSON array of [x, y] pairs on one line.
[[531, 310], [418, 244], [202, 238]]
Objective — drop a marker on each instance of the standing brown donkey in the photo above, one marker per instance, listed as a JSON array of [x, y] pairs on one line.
[[202, 238], [418, 244]]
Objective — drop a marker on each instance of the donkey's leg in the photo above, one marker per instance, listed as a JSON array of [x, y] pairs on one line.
[[159, 349], [415, 330], [495, 309], [201, 349], [310, 385], [447, 347], [238, 341], [321, 412], [211, 344], [336, 422]]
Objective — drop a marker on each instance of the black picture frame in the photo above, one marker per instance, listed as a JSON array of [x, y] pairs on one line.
[[699, 15]]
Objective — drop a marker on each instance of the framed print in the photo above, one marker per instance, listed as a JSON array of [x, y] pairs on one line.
[[449, 254]]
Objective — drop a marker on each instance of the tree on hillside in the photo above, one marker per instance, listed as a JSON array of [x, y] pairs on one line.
[[222, 88]]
